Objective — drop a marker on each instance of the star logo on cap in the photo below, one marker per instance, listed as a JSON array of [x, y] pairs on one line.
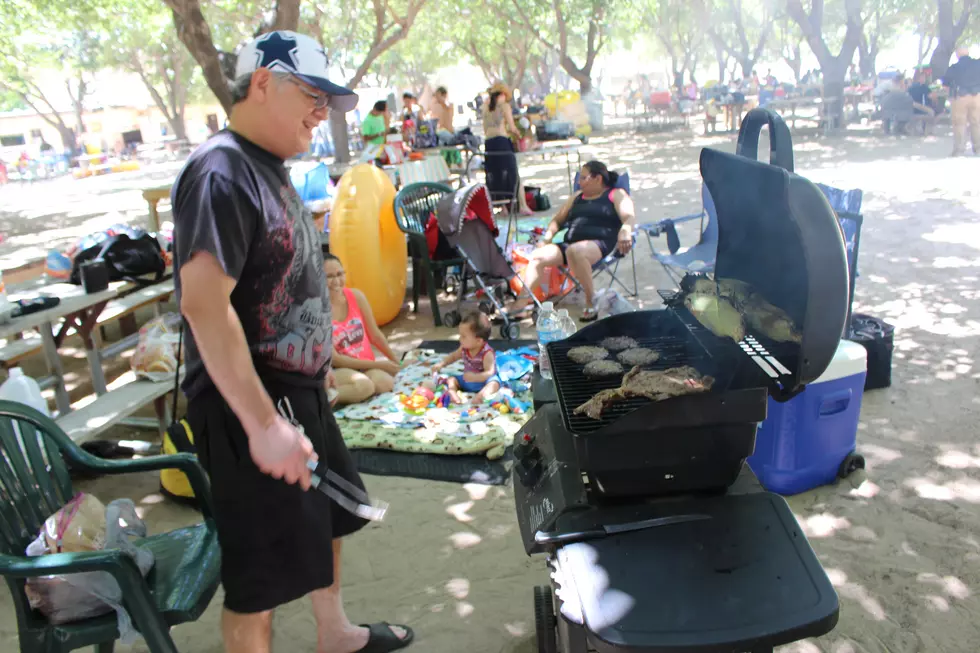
[[277, 49], [326, 57]]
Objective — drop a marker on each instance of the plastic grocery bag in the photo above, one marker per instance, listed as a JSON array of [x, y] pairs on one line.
[[84, 525], [156, 354]]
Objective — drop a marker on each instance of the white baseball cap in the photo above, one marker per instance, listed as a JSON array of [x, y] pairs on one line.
[[298, 55]]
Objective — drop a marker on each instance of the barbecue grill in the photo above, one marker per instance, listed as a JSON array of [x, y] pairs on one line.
[[650, 547]]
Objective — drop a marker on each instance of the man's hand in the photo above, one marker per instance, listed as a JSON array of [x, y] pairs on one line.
[[281, 451]]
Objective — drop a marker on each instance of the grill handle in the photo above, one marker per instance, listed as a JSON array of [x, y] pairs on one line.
[[780, 141]]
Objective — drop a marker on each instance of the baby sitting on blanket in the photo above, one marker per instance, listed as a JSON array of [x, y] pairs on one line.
[[479, 361]]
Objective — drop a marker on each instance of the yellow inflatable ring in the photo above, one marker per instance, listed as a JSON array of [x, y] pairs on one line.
[[367, 240]]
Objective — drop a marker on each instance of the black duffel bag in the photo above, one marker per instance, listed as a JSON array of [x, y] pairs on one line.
[[878, 338], [125, 258]]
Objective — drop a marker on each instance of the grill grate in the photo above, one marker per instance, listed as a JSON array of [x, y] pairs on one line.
[[675, 341]]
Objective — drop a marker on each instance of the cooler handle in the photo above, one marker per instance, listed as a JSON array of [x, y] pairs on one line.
[[835, 403]]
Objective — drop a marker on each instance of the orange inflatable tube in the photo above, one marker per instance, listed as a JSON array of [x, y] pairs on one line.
[[367, 240]]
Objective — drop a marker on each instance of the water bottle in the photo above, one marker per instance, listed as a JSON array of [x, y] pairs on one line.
[[568, 326], [549, 330], [22, 388]]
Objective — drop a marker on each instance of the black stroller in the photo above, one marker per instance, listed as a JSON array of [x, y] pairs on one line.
[[465, 219]]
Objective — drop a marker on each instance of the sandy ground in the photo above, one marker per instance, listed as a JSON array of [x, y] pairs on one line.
[[902, 548]]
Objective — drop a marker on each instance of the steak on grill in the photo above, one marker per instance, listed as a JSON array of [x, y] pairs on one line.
[[655, 385]]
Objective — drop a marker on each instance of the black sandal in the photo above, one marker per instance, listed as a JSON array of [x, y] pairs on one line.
[[381, 639], [589, 314]]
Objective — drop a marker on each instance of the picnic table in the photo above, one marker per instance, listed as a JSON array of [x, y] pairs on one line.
[[75, 308], [792, 104], [153, 197], [84, 313]]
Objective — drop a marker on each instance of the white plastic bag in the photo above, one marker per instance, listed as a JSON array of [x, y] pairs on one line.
[[73, 597], [610, 302], [156, 354]]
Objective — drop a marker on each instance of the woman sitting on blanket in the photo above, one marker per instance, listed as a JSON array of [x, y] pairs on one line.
[[599, 218], [359, 375]]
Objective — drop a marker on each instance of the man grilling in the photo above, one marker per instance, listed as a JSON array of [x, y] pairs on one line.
[[250, 283]]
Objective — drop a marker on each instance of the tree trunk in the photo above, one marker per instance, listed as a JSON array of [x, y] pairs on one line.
[[939, 61], [68, 138], [338, 133], [834, 81], [950, 30], [194, 32], [866, 59]]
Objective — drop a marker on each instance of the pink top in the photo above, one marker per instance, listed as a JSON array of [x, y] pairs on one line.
[[475, 363], [350, 336]]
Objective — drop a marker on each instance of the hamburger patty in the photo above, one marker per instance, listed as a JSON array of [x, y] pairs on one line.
[[587, 354], [618, 343], [602, 369], [637, 356]]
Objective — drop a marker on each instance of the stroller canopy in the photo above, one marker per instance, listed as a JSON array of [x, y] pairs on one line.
[[471, 202]]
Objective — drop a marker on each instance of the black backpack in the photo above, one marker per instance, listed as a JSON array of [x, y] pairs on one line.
[[124, 257]]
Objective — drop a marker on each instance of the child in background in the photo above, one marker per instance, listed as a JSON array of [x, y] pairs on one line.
[[479, 362]]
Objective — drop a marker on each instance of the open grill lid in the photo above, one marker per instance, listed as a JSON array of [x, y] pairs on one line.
[[470, 202], [778, 233]]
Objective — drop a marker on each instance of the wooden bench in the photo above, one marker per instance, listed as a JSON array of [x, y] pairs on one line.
[[15, 351], [126, 395]]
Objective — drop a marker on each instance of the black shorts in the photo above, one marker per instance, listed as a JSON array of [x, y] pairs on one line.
[[606, 247], [276, 540]]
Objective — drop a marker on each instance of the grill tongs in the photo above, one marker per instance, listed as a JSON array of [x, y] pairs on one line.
[[347, 495]]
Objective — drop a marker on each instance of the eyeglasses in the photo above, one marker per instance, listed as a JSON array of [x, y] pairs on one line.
[[320, 100]]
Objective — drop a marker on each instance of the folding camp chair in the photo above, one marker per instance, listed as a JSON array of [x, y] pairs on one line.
[[610, 263], [700, 257], [413, 205]]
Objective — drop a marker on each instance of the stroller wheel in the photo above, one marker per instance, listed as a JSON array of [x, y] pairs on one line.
[[452, 319], [545, 623], [510, 331], [486, 307]]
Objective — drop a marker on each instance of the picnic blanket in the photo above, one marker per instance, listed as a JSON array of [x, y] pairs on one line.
[[488, 428]]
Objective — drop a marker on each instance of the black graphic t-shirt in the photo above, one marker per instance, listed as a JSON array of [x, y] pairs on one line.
[[234, 200]]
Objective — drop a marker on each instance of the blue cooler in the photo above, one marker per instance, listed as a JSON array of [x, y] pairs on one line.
[[809, 440]]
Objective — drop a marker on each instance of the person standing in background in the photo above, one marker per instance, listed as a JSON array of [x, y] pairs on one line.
[[963, 81], [374, 127], [442, 110]]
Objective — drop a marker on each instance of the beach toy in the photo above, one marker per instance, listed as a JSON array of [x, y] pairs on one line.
[[365, 237]]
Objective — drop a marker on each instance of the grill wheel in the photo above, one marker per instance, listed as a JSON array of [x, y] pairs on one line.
[[545, 623]]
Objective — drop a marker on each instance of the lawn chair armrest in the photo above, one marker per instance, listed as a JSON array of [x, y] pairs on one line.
[[185, 462], [53, 564]]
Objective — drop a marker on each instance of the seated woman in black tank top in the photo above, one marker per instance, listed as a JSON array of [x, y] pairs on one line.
[[599, 219]]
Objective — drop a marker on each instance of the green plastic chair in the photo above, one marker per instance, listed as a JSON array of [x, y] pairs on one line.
[[34, 483], [413, 204]]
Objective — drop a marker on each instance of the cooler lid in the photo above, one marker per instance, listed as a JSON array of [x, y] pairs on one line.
[[850, 359], [779, 236]]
